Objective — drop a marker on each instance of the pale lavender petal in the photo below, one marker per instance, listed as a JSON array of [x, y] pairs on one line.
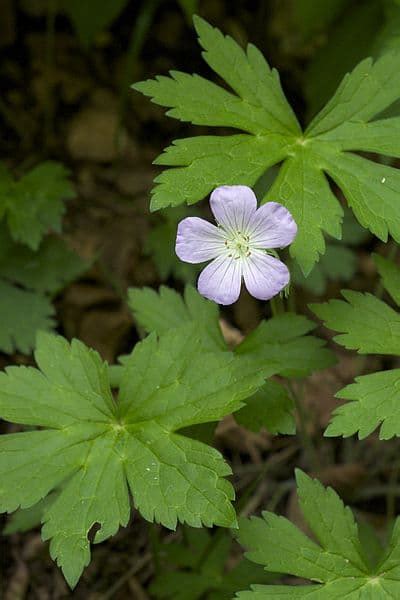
[[198, 240], [264, 275], [272, 226], [233, 206], [221, 280]]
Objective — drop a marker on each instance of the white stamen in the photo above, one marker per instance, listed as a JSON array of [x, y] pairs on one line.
[[238, 244]]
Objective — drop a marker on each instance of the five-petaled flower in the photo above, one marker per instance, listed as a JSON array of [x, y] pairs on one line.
[[239, 246]]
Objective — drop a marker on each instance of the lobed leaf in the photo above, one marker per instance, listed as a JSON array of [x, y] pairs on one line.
[[35, 204], [49, 269], [270, 407], [167, 310], [390, 274], [90, 18], [23, 313], [336, 563], [258, 107], [374, 400], [92, 449], [368, 325], [281, 342]]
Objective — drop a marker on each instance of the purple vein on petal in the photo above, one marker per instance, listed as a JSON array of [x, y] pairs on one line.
[[264, 275], [272, 226], [221, 280], [233, 206]]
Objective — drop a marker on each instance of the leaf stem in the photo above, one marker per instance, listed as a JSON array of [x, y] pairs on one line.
[[277, 306], [305, 438], [49, 69], [139, 32]]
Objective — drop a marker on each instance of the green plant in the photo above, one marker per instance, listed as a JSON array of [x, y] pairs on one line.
[[34, 266]]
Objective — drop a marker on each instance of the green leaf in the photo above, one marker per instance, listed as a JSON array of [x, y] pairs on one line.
[[283, 344], [167, 310], [302, 184], [339, 54], [49, 269], [256, 105], [26, 519], [368, 324], [27, 278], [366, 92], [388, 38], [335, 561], [374, 400], [390, 274], [23, 313], [35, 204], [91, 17], [337, 264], [311, 17], [189, 7], [270, 407], [372, 327], [203, 570], [92, 449], [203, 163]]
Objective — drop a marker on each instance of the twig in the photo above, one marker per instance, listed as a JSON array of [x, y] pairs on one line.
[[110, 593], [137, 589]]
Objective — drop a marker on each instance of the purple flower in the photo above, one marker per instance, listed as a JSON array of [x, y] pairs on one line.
[[237, 247]]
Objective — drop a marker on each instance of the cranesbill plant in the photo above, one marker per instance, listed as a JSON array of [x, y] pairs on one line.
[[102, 439], [272, 136]]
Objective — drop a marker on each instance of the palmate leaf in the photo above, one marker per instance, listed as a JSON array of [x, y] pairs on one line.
[[48, 270], [338, 53], [257, 106], [270, 407], [28, 279], [90, 17], [336, 561], [168, 310], [370, 326], [199, 563], [337, 264], [281, 344], [35, 203], [23, 313], [92, 449]]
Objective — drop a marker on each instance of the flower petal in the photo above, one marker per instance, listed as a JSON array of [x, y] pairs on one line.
[[233, 206], [264, 275], [221, 280], [198, 240], [272, 226]]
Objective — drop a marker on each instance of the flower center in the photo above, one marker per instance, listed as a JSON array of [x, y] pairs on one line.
[[238, 245]]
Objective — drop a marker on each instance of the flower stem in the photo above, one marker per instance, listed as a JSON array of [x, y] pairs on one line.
[[277, 306]]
